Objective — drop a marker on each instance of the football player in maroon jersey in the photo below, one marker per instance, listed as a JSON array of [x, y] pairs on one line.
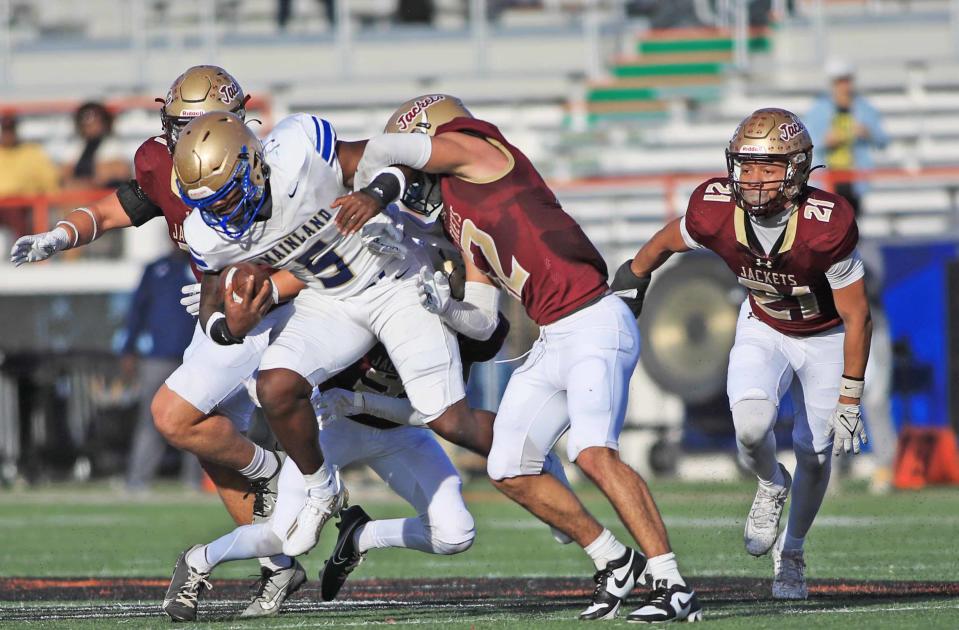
[[514, 235], [203, 407], [804, 327]]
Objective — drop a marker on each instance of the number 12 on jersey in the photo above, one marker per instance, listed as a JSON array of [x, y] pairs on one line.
[[516, 280]]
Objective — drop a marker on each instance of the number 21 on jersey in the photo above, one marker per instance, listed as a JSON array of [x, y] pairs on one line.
[[516, 280]]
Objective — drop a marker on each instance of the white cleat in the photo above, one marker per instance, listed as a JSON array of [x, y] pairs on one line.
[[789, 572], [304, 533], [762, 522]]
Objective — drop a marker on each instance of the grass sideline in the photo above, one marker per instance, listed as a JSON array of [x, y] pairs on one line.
[[89, 531]]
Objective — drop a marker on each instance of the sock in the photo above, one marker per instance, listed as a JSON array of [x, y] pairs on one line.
[[605, 549], [792, 544], [664, 567], [263, 465], [248, 541], [276, 563], [320, 484], [778, 480], [407, 533], [809, 487]]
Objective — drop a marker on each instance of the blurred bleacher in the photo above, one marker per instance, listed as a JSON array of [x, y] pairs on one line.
[[624, 142]]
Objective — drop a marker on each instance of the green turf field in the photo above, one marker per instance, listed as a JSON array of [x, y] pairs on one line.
[[92, 532]]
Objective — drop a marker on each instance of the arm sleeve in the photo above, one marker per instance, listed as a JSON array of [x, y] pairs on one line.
[[687, 238], [389, 149], [846, 271], [478, 314]]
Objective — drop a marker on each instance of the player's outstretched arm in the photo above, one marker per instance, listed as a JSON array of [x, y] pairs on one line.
[[80, 227], [633, 276], [476, 315], [846, 421]]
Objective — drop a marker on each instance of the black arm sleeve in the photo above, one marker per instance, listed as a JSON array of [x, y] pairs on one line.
[[136, 203]]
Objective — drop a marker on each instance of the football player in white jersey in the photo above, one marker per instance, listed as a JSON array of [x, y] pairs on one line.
[[272, 203]]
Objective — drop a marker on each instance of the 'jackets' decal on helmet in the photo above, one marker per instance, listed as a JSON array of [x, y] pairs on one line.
[[788, 131], [228, 92], [404, 119]]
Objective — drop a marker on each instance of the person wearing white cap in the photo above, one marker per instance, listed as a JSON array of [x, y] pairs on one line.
[[844, 127]]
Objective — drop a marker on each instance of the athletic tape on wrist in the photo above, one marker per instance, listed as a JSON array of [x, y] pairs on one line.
[[93, 220], [851, 387], [76, 232]]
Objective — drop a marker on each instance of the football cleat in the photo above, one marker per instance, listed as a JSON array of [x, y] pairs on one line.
[[668, 603], [346, 555], [762, 523], [789, 572], [613, 585], [304, 533], [264, 491], [186, 586], [273, 589]]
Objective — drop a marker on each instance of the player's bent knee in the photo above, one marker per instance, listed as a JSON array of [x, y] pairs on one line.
[[452, 537], [279, 388], [753, 418], [172, 417], [595, 461]]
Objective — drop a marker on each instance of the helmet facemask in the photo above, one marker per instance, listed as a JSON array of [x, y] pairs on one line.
[[423, 195], [786, 190], [234, 219]]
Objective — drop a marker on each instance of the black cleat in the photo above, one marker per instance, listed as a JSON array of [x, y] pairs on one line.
[[674, 603], [264, 491], [186, 586], [613, 585], [346, 556]]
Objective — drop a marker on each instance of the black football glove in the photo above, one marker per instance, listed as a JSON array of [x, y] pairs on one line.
[[630, 288]]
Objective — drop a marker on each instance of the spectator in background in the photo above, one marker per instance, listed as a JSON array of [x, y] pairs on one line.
[[844, 128], [158, 330], [284, 10], [98, 158], [25, 169]]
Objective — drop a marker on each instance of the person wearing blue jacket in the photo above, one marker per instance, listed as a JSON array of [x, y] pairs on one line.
[[845, 128], [157, 332]]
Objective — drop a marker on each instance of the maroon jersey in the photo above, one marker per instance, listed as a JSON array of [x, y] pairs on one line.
[[788, 289], [153, 166], [514, 230]]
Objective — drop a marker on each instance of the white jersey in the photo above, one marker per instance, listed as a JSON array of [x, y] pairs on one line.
[[427, 232], [299, 235]]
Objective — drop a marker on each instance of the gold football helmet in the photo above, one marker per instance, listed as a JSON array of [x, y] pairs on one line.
[[199, 90], [771, 135], [424, 114], [219, 169]]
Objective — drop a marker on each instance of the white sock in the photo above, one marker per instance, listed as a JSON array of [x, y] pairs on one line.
[[778, 480], [276, 563], [263, 465], [408, 533], [792, 544], [248, 541], [605, 549], [664, 567], [320, 484]]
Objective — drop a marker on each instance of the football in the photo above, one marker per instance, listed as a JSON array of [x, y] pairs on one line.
[[238, 275]]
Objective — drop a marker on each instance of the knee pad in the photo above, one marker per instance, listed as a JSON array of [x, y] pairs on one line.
[[456, 535], [754, 418], [498, 467]]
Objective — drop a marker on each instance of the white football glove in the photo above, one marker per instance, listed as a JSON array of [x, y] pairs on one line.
[[384, 239], [337, 403], [846, 429], [37, 247], [434, 290], [191, 298]]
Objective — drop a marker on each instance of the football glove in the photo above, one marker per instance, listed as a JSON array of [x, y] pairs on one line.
[[337, 403], [191, 298], [37, 247], [630, 288], [846, 429], [384, 239], [434, 290]]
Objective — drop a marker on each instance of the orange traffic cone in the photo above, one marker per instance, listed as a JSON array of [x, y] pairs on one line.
[[926, 455]]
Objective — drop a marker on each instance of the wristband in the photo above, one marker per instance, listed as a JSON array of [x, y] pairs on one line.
[[274, 291], [387, 186], [219, 332], [851, 387], [76, 232]]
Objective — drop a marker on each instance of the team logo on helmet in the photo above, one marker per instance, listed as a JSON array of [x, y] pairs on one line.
[[404, 119], [229, 92], [788, 131]]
